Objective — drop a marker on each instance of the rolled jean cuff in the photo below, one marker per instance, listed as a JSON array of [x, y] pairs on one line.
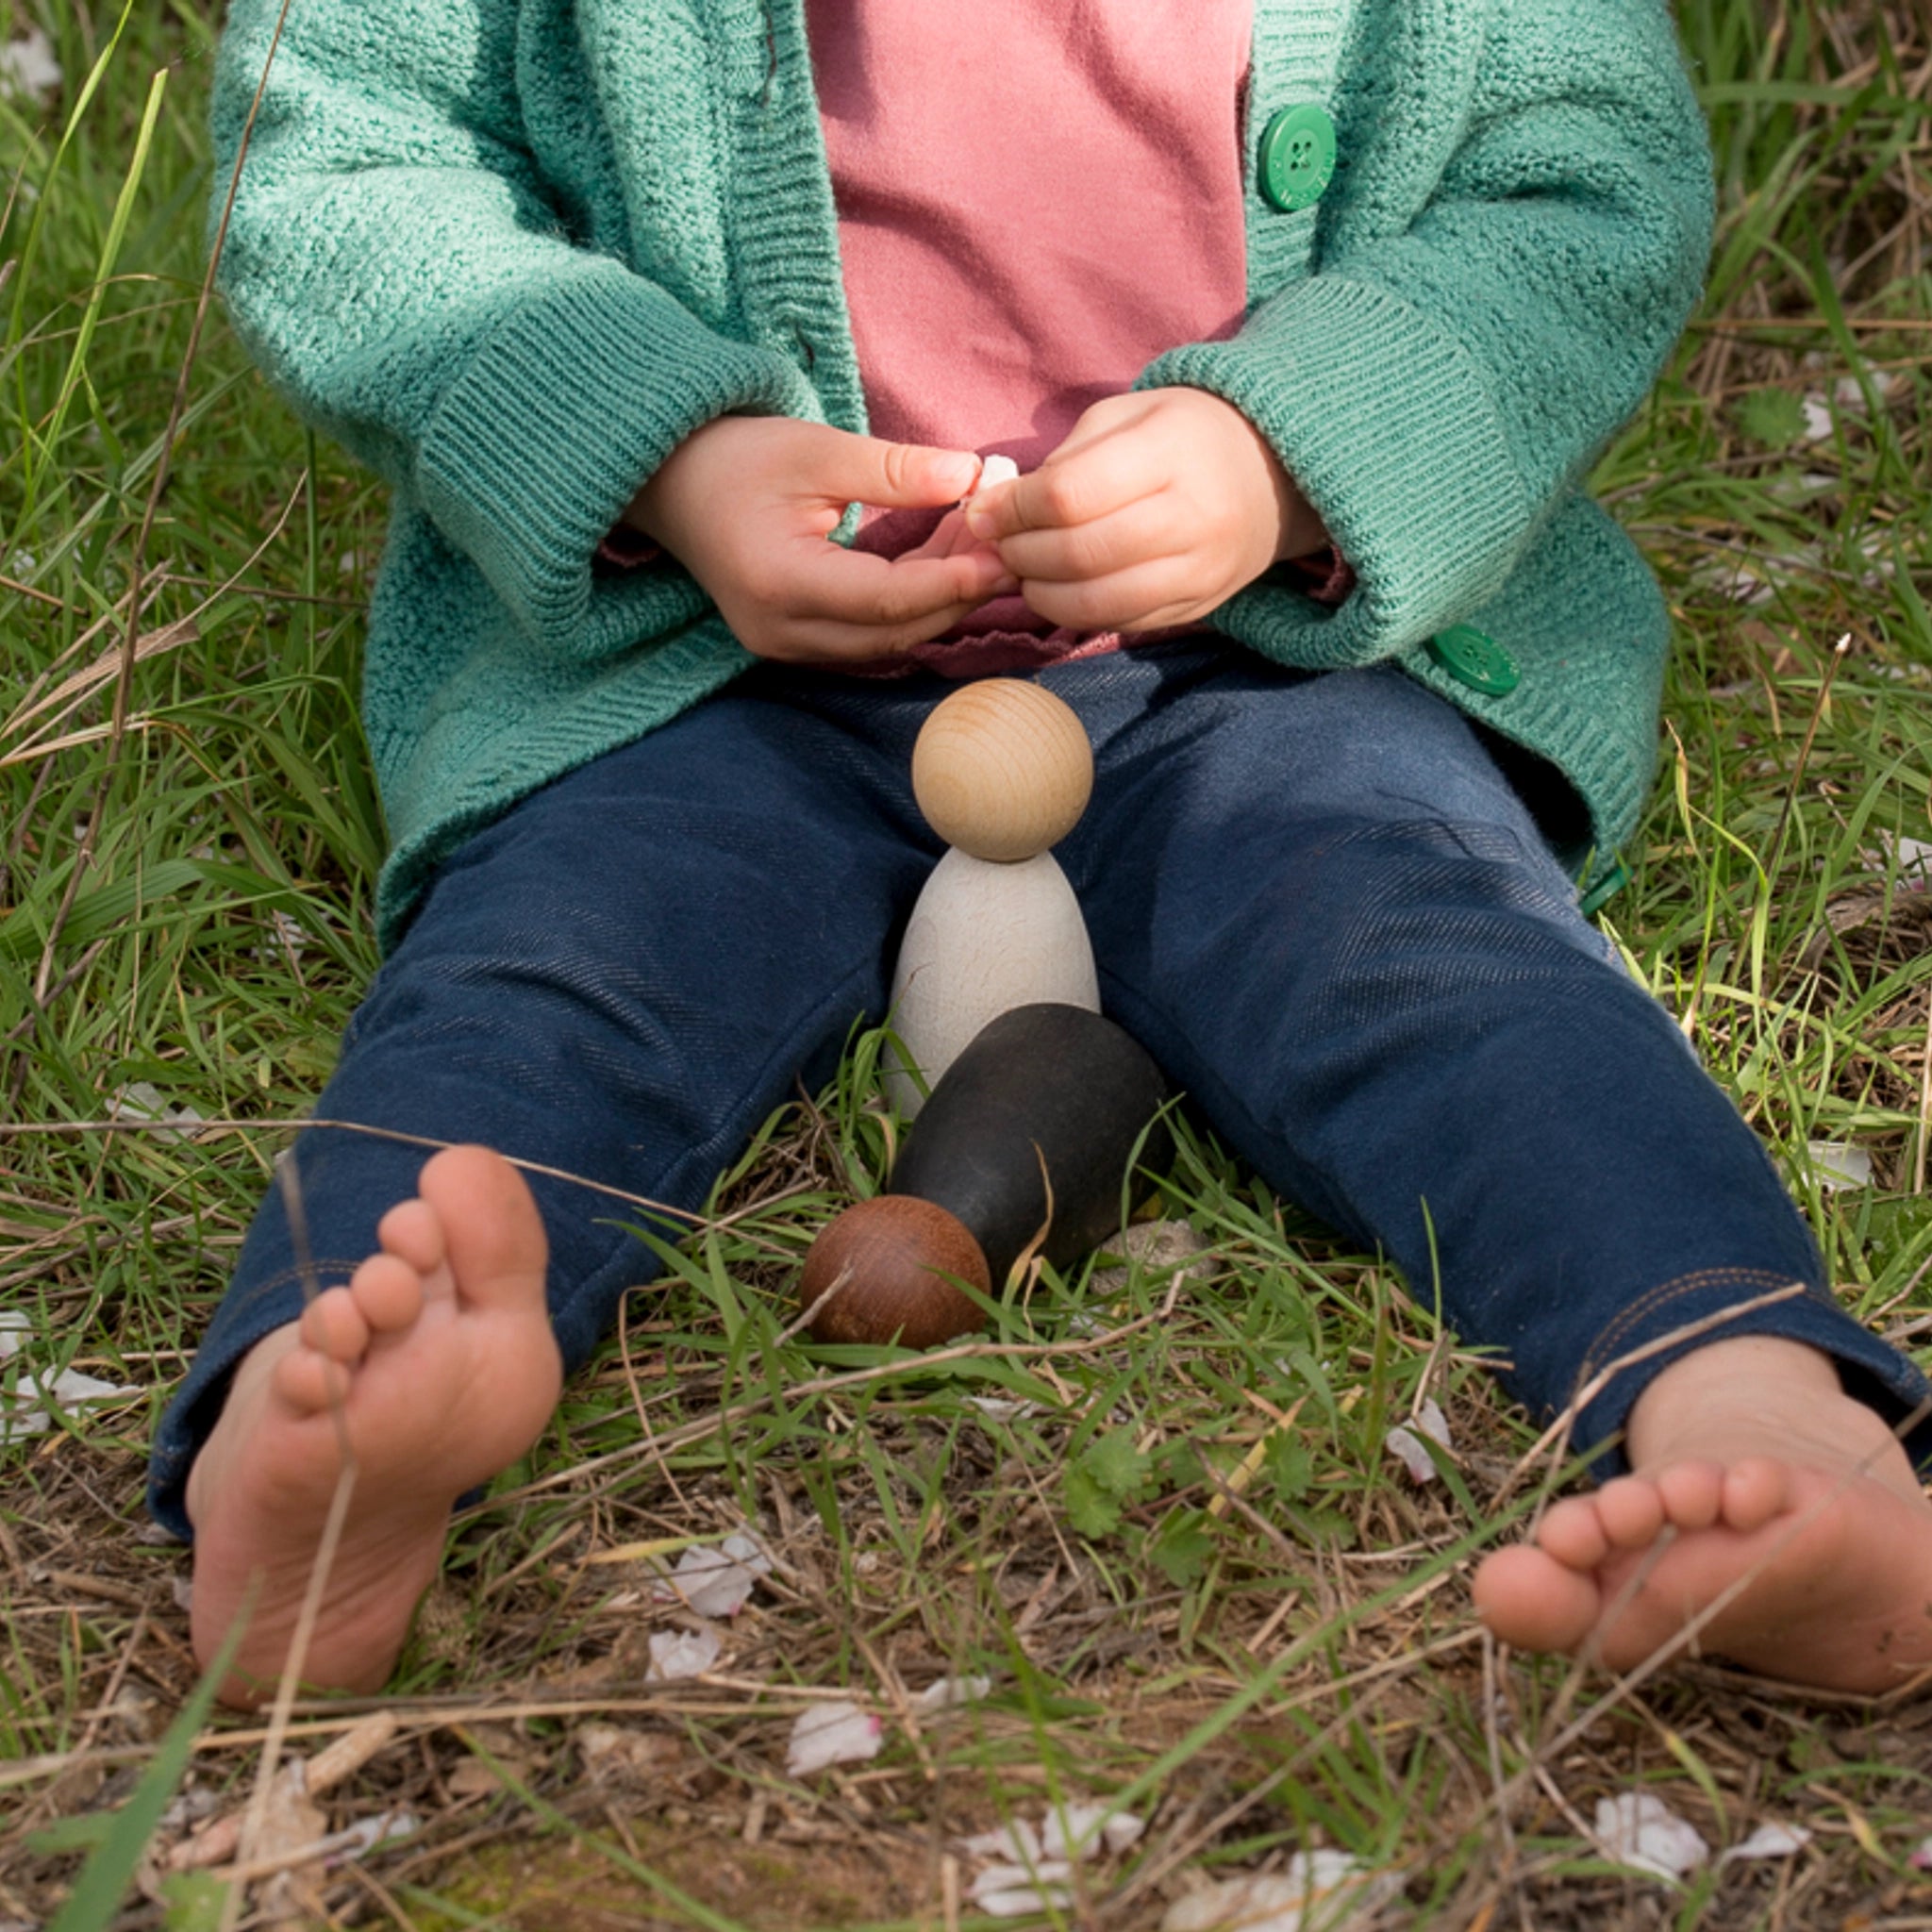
[[1719, 1304]]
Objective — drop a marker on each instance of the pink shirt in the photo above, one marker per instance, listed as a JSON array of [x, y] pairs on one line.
[[1036, 198]]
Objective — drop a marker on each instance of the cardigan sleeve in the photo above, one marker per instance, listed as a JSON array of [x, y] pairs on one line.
[[1458, 357], [398, 270]]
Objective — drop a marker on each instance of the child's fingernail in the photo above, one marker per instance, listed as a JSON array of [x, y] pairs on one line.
[[1007, 586], [979, 519]]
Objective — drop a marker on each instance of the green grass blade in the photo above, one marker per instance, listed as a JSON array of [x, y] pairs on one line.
[[96, 1898], [110, 254]]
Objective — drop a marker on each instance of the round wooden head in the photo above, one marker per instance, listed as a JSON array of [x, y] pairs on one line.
[[889, 1259], [1001, 769]]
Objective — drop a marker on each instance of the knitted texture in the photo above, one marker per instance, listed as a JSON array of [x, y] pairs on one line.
[[512, 252]]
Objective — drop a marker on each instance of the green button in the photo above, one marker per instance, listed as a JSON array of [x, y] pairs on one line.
[[1297, 157], [1605, 889], [1480, 661]]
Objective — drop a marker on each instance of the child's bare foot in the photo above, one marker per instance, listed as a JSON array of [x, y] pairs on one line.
[[439, 1360], [1759, 1464]]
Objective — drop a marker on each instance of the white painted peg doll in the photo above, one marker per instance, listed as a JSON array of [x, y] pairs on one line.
[[1002, 771]]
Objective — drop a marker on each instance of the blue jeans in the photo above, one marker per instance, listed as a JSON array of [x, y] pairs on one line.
[[1315, 899]]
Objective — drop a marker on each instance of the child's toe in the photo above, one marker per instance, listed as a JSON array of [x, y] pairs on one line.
[[1692, 1493], [333, 1325], [1754, 1490], [496, 1246], [1534, 1603], [389, 1293], [412, 1231], [1631, 1511], [1573, 1533], [307, 1381]]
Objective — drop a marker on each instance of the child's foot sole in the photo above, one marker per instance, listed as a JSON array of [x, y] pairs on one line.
[[1818, 1541], [438, 1366]]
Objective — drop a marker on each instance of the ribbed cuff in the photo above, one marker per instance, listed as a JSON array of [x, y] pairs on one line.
[[540, 444], [1387, 428]]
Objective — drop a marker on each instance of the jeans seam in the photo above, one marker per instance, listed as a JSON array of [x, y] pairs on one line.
[[302, 1270], [1605, 1350]]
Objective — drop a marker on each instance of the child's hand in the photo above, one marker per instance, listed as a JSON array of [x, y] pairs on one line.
[[1156, 507], [746, 503]]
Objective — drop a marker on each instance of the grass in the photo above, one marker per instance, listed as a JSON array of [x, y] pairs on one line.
[[1156, 1512]]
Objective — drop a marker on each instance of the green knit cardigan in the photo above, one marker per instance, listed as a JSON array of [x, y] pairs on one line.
[[511, 252]]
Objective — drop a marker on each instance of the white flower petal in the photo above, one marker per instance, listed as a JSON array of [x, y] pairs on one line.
[[23, 1406], [1001, 1408], [70, 1387], [1002, 1877], [1082, 1830], [677, 1654], [1007, 1892], [838, 1733], [1638, 1829], [139, 1100], [1407, 1450], [1071, 1831], [1406, 1441], [1017, 1843], [1838, 1165], [716, 1580], [289, 936], [1023, 1900], [947, 1693], [28, 65], [1323, 1889], [1848, 392], [142, 1101], [742, 1547], [357, 1841], [1769, 1841]]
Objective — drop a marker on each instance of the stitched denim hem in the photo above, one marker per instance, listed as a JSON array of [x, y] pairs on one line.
[[1872, 1371]]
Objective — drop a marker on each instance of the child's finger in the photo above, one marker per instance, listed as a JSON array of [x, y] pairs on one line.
[[1143, 531], [1147, 597], [830, 642], [950, 537], [895, 476], [1070, 488], [852, 587]]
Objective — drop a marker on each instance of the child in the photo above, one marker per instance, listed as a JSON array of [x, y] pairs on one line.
[[1302, 318]]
